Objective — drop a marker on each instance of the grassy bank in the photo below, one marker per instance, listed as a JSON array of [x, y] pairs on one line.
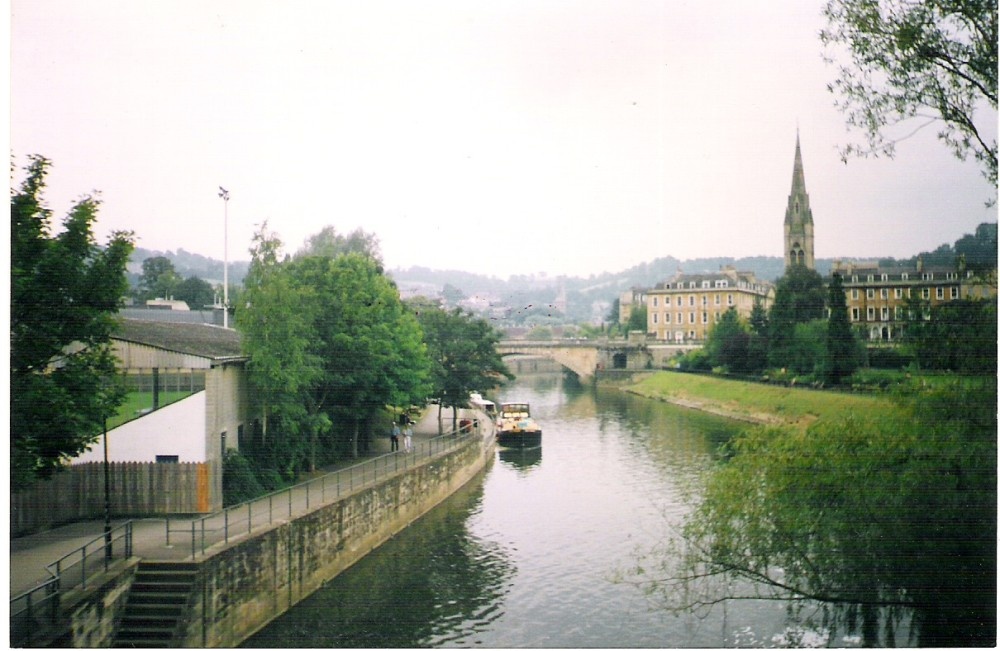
[[749, 401]]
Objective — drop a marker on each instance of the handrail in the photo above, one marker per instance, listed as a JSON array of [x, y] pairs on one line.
[[31, 610], [243, 518]]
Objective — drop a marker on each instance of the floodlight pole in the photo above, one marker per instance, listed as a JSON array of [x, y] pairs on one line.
[[224, 193]]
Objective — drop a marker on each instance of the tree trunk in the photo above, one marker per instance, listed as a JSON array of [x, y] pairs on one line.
[[354, 439], [440, 423]]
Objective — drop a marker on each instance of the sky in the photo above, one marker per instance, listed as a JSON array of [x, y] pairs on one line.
[[504, 137]]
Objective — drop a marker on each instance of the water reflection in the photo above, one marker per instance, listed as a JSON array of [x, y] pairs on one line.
[[521, 460], [430, 584], [524, 557]]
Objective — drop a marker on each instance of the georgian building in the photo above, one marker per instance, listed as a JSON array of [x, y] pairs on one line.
[[879, 298], [686, 307]]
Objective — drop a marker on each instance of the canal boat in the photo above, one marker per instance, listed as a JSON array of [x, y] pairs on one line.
[[516, 428]]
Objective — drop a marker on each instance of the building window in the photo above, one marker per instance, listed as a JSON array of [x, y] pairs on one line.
[[927, 276], [885, 314], [906, 276], [691, 300], [666, 317], [729, 299], [854, 294], [655, 302], [656, 318], [715, 316], [691, 320], [718, 299], [898, 292], [939, 293], [899, 313], [704, 300], [854, 279], [954, 293], [871, 314], [666, 301], [691, 284], [166, 458], [704, 317], [680, 317], [925, 292], [885, 277], [871, 278], [870, 293], [855, 314], [884, 293]]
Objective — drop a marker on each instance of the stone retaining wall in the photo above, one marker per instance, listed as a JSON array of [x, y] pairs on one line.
[[241, 588]]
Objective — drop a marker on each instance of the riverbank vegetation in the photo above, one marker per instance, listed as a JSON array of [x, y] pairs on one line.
[[866, 514], [335, 355]]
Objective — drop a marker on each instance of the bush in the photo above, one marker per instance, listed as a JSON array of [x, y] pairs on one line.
[[239, 479], [695, 360], [879, 357]]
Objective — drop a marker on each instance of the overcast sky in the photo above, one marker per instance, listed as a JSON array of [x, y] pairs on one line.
[[494, 137]]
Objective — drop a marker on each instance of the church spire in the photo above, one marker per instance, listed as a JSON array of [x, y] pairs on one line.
[[798, 217]]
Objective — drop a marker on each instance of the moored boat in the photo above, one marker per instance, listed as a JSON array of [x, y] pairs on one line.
[[516, 428]]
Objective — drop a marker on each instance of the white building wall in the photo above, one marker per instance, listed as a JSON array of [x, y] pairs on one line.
[[177, 429]]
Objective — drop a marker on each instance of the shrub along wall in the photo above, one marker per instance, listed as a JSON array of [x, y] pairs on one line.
[[137, 489]]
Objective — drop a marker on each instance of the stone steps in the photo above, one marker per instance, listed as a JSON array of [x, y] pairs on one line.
[[157, 604]]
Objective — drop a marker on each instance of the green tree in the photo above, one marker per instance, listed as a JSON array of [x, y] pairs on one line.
[[957, 336], [159, 279], [276, 323], [65, 292], [874, 516], [637, 318], [462, 351], [841, 344], [371, 348], [328, 243], [728, 343], [799, 298], [933, 61], [759, 340], [195, 292]]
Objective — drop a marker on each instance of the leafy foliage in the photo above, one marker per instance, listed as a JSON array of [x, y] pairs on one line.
[[934, 61], [462, 352], [958, 335], [65, 291], [876, 514], [158, 280], [728, 343], [841, 343], [799, 298], [196, 292]]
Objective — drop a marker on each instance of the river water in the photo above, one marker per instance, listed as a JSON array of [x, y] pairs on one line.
[[525, 555]]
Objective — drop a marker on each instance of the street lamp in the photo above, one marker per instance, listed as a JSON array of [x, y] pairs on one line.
[[224, 193]]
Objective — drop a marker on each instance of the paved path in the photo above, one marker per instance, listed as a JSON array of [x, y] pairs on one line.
[[29, 555]]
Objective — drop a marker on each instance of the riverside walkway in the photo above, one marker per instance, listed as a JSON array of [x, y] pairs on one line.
[[29, 555]]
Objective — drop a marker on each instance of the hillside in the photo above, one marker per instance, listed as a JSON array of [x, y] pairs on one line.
[[534, 299]]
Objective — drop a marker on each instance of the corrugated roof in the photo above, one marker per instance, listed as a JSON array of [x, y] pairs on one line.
[[199, 339]]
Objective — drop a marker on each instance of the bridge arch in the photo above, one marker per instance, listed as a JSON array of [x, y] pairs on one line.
[[580, 359]]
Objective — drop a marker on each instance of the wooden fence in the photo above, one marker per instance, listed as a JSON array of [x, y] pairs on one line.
[[137, 489]]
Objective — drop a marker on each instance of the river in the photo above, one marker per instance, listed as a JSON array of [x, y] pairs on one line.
[[526, 555]]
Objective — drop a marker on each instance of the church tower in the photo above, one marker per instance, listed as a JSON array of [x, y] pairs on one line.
[[798, 218]]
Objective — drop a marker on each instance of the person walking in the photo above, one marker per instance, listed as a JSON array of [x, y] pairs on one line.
[[394, 437], [408, 437]]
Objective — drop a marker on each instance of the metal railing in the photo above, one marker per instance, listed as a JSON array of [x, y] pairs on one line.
[[34, 610], [241, 519]]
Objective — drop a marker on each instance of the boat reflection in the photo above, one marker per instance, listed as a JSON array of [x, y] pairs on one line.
[[521, 458]]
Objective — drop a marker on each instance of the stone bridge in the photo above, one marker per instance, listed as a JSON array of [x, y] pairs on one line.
[[586, 357], [582, 356]]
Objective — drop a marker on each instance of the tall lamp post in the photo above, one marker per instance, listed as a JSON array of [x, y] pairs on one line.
[[224, 193]]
